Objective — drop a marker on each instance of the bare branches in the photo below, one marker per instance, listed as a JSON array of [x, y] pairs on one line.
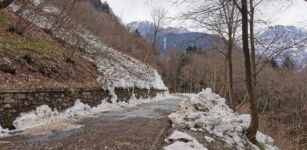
[[159, 16], [237, 5]]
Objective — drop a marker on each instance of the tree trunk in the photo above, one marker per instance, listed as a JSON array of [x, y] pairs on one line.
[[223, 91], [214, 72], [252, 41], [230, 82], [253, 127]]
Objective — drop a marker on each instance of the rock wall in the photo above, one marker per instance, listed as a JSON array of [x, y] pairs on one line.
[[14, 102]]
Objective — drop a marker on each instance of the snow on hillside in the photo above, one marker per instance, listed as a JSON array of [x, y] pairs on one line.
[[119, 70], [207, 112]]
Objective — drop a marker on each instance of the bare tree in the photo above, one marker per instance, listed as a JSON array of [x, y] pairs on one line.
[[254, 124], [219, 17], [159, 19]]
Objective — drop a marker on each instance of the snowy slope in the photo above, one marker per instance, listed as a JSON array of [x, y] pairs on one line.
[[207, 112], [281, 37], [119, 70]]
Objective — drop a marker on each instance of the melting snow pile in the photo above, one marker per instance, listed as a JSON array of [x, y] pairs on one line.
[[3, 131], [208, 112], [45, 114], [183, 141]]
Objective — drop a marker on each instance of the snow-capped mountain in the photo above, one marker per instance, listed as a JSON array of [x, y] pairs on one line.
[[169, 36], [289, 39], [146, 27]]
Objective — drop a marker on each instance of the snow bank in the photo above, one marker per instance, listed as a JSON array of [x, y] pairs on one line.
[[208, 112], [44, 114], [183, 141], [3, 131]]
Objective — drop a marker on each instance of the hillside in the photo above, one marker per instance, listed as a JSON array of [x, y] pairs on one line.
[[88, 57], [38, 60]]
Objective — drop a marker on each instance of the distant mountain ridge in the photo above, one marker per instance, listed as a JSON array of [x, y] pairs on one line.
[[169, 36], [285, 37], [183, 38]]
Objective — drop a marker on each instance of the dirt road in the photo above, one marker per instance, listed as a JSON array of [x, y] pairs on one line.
[[137, 128]]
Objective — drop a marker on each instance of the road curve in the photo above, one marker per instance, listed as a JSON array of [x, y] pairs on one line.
[[142, 127]]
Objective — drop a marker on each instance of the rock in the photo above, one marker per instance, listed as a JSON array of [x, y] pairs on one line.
[[201, 107], [9, 101], [7, 69], [28, 59], [7, 106]]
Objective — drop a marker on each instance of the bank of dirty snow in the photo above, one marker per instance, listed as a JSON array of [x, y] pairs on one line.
[[182, 141], [207, 112], [3, 131], [44, 114]]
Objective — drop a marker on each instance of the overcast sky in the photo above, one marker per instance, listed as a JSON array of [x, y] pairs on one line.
[[139, 10]]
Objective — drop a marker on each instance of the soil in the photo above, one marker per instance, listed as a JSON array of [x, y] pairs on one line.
[[32, 67], [143, 127]]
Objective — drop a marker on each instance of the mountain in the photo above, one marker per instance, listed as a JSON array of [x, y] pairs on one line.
[[276, 37], [281, 37], [169, 36]]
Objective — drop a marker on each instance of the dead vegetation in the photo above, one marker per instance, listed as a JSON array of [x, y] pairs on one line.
[[35, 59]]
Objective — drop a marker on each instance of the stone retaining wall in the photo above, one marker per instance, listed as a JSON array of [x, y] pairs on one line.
[[14, 102]]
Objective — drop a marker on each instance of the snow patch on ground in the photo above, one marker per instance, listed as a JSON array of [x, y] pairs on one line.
[[183, 141], [209, 139], [44, 114], [3, 131], [207, 112]]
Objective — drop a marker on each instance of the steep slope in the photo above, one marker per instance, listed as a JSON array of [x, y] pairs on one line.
[[37, 60], [169, 37], [118, 69]]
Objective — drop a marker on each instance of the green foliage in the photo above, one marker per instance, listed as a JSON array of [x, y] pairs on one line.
[[288, 63], [192, 49], [274, 64], [2, 17], [12, 43], [4, 20]]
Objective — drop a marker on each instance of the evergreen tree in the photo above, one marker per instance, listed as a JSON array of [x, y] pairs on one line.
[[288, 63], [274, 64], [136, 32], [192, 49]]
